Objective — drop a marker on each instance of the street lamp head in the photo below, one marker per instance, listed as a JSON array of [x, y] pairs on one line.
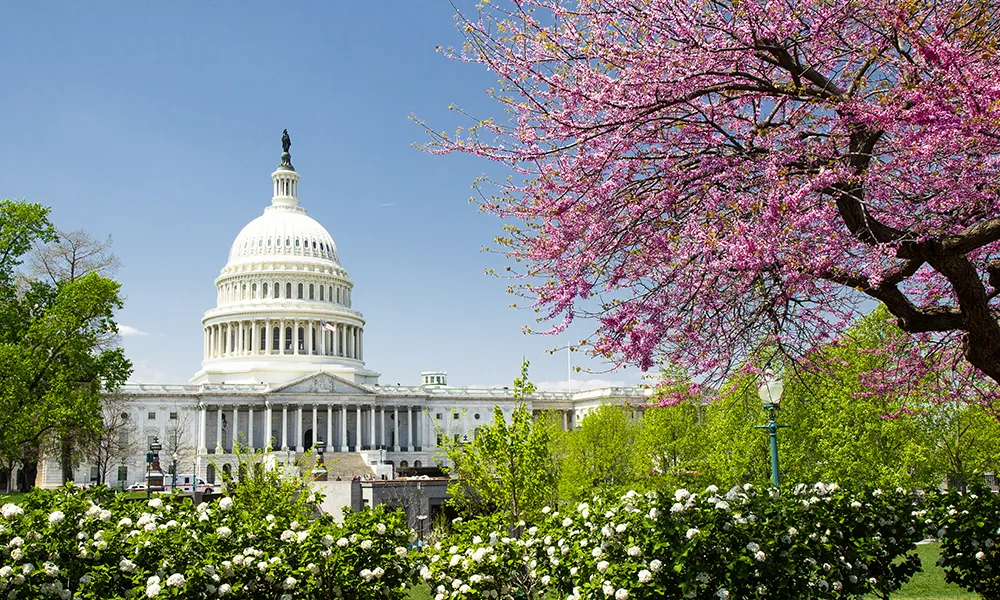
[[320, 446], [155, 446], [770, 389], [175, 457]]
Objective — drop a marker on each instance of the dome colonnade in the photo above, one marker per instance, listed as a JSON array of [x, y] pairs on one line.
[[283, 302]]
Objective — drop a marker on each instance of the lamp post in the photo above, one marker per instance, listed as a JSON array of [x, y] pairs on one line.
[[173, 468], [154, 449], [121, 474], [770, 394], [420, 520]]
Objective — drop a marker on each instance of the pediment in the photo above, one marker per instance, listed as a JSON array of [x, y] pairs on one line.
[[321, 383]]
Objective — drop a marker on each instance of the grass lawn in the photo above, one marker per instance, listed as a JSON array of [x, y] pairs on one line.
[[11, 497], [928, 584]]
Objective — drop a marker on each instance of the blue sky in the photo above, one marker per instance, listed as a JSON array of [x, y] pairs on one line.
[[159, 124]]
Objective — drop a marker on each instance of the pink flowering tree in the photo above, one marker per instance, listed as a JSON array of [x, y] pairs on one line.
[[708, 178]]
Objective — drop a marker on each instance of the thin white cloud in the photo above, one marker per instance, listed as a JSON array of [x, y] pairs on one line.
[[387, 204], [129, 331]]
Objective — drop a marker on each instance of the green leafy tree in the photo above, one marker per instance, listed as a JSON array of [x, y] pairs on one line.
[[507, 468], [671, 448], [53, 364], [596, 459]]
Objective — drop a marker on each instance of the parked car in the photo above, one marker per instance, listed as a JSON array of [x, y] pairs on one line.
[[184, 483], [136, 487]]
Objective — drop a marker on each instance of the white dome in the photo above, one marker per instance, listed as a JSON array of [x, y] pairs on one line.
[[280, 233]]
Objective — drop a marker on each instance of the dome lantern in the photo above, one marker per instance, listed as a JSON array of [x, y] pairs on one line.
[[286, 180]]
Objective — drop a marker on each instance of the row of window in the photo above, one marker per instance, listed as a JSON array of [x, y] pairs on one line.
[[454, 415], [233, 292], [151, 415], [311, 246]]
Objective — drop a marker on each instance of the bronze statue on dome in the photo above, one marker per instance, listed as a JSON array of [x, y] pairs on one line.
[[286, 142]]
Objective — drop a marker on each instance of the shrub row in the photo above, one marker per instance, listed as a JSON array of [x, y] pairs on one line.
[[811, 542]]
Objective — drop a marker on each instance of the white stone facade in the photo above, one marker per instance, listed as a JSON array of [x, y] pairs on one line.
[[283, 366]]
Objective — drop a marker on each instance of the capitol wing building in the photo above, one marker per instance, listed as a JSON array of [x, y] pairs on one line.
[[283, 368]]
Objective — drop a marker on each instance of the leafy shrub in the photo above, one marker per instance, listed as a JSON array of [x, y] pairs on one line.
[[64, 544], [968, 526], [816, 542]]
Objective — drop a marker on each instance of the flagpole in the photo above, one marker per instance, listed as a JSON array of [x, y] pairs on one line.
[[569, 369]]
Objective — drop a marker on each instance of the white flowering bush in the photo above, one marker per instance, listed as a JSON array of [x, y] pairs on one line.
[[811, 542], [70, 544], [968, 526]]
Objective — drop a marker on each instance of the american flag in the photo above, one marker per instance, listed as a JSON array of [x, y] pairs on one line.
[[327, 326]]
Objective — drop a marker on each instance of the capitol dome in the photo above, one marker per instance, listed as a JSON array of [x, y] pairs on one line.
[[283, 307]]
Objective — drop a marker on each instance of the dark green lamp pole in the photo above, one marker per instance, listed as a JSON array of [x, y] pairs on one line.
[[121, 474], [154, 450], [770, 394]]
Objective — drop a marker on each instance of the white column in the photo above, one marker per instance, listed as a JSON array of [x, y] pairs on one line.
[[268, 340], [298, 431], [315, 426], [309, 347], [235, 429], [269, 423], [322, 340], [281, 345], [284, 427], [409, 429], [295, 340], [329, 428], [203, 431], [218, 432], [361, 344], [250, 429], [254, 334], [371, 428], [343, 428], [357, 444], [385, 434], [396, 428]]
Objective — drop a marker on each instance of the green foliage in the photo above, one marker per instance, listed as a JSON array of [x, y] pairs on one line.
[[53, 365], [102, 546], [593, 457], [968, 526], [670, 448], [810, 543], [263, 485], [508, 467], [834, 432]]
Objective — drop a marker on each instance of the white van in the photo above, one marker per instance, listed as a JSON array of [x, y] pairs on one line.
[[184, 483]]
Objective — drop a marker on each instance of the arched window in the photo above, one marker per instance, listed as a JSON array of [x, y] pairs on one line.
[[276, 339], [288, 241], [331, 294], [288, 337], [288, 290], [296, 242], [301, 340], [263, 338], [268, 242], [321, 289], [263, 291], [311, 286], [243, 293], [277, 289], [253, 291], [338, 295], [300, 291]]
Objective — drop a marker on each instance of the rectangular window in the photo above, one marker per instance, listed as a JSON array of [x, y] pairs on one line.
[[173, 416], [95, 474], [440, 440], [454, 415], [151, 415], [438, 416]]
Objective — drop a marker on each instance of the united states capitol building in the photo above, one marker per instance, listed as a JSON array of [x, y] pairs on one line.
[[284, 368]]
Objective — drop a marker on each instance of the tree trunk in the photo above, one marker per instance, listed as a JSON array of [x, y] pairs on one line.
[[66, 458]]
